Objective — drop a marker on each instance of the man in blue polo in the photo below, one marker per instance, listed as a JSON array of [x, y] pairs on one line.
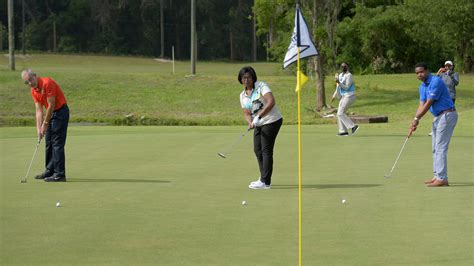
[[434, 95]]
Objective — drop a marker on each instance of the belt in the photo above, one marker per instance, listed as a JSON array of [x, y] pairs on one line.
[[60, 108], [447, 111]]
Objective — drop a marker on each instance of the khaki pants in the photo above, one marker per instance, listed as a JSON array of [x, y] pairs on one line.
[[343, 121], [442, 128]]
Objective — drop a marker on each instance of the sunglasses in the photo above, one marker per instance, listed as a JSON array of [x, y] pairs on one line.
[[28, 82]]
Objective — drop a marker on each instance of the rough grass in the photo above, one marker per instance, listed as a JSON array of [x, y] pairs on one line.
[[106, 89]]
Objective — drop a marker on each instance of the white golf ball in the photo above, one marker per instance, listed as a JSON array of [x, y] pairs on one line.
[[58, 204], [244, 202], [343, 201]]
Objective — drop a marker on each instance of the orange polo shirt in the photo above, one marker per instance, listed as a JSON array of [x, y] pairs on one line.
[[48, 88]]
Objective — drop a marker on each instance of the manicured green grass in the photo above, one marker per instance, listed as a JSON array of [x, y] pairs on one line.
[[162, 196], [106, 89]]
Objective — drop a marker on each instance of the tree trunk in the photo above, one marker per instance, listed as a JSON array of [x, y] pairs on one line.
[[321, 90], [162, 31], [254, 39], [54, 36], [23, 49], [231, 42], [193, 37], [466, 58], [333, 8], [176, 36], [318, 65], [11, 35], [1, 36]]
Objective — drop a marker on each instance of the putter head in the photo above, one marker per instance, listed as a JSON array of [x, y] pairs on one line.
[[388, 176], [221, 155], [23, 181]]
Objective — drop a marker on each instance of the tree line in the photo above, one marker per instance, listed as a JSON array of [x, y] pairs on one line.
[[373, 36]]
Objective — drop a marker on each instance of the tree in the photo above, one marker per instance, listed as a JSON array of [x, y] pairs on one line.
[[162, 31], [193, 37], [11, 35], [1, 36], [324, 18], [317, 62], [240, 30], [275, 19]]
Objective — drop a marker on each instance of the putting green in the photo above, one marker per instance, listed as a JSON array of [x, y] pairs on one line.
[[161, 195]]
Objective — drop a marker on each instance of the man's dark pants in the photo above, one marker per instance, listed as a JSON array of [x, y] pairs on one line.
[[263, 142], [55, 141]]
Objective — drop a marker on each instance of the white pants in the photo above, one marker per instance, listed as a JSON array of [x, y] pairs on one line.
[[343, 121]]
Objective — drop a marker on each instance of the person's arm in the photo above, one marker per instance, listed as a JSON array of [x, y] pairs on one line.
[[420, 112], [49, 113], [39, 119], [270, 102], [440, 71], [248, 117], [455, 78]]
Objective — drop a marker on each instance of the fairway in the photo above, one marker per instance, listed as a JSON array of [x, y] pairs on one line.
[[161, 195]]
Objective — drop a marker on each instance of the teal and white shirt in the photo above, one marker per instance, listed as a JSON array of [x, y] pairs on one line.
[[346, 84], [255, 102]]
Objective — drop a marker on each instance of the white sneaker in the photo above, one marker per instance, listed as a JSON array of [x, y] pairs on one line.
[[255, 182], [258, 185]]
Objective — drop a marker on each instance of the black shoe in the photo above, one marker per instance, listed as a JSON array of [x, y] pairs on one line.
[[43, 175], [55, 178], [354, 129], [343, 134]]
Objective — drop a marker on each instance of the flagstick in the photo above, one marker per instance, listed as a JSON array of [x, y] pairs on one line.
[[300, 212]]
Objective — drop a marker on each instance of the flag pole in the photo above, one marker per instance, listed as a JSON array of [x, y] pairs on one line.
[[300, 211]]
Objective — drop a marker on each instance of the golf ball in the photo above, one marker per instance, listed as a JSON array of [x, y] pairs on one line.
[[58, 204], [244, 202], [343, 201]]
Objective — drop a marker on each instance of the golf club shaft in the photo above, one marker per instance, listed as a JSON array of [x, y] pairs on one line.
[[398, 157], [32, 159], [231, 147]]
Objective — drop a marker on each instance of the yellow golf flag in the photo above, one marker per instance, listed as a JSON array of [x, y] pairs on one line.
[[300, 80]]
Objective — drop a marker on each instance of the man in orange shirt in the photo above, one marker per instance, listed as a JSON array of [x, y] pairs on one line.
[[52, 125]]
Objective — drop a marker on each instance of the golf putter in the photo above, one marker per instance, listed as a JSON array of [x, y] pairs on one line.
[[231, 147], [389, 175], [23, 180]]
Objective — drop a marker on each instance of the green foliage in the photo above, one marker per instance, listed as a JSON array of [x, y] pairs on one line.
[[133, 27], [391, 39], [379, 36]]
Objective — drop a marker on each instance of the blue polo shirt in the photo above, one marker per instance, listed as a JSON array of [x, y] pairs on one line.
[[434, 88]]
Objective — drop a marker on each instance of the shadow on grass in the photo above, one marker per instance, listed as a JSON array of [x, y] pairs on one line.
[[117, 180], [461, 184], [326, 186]]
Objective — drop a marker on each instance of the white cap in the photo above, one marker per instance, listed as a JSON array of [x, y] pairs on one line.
[[448, 63]]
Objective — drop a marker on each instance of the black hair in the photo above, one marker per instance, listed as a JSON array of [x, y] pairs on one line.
[[245, 70], [422, 64]]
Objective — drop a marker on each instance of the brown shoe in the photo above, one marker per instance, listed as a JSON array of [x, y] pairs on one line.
[[439, 183], [429, 181]]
